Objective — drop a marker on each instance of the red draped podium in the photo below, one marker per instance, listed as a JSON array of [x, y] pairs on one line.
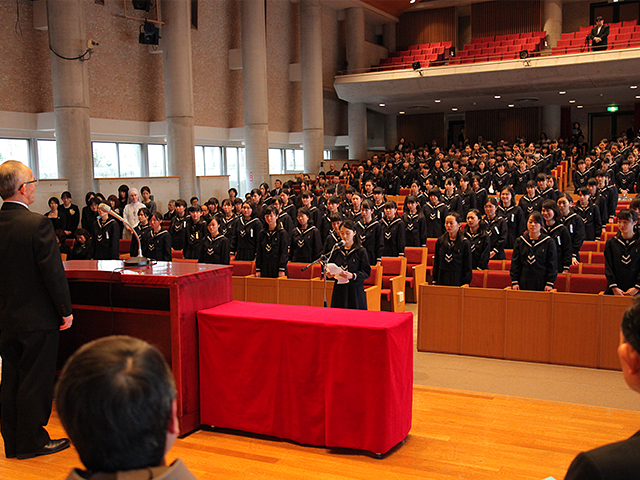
[[157, 303], [330, 377]]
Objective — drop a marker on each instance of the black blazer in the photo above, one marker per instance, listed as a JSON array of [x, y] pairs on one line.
[[609, 462], [34, 293], [604, 33]]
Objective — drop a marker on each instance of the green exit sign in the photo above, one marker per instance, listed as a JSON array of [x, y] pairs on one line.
[[612, 109]]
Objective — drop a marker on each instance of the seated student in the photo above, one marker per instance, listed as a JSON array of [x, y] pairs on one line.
[[617, 460], [369, 232], [62, 243], [393, 231], [306, 242], [416, 224], [146, 199], [334, 235], [195, 232], [156, 242], [82, 246], [559, 234], [116, 399], [478, 239], [106, 237], [534, 262], [435, 212], [452, 265], [272, 250], [143, 226], [496, 228], [622, 257]]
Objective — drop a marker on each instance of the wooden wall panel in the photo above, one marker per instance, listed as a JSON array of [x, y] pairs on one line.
[[423, 128], [427, 26], [507, 124], [504, 18]]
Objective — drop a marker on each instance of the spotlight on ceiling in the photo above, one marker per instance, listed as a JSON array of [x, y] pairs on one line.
[[149, 34]]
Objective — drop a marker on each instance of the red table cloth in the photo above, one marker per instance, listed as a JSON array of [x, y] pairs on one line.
[[318, 376]]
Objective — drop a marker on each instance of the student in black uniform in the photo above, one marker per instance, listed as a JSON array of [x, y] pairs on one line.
[[247, 231], [480, 191], [467, 195], [590, 214], [415, 223], [196, 231], [581, 176], [353, 260], [333, 237], [141, 228], [106, 237], [622, 257], [558, 233], [435, 212], [478, 239], [156, 242], [216, 248], [393, 230], [626, 178], [306, 243], [227, 221], [512, 214], [82, 246], [574, 224], [534, 263], [272, 252], [71, 213], [58, 220], [178, 226], [532, 201], [496, 228], [450, 198], [370, 234], [452, 265]]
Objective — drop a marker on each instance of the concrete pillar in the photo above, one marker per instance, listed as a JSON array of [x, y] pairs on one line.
[[254, 84], [355, 40], [70, 79], [389, 37], [178, 93], [390, 131], [312, 98], [551, 120], [552, 21], [357, 131]]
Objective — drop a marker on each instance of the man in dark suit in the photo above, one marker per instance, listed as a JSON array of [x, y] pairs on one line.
[[618, 460], [34, 306], [599, 35]]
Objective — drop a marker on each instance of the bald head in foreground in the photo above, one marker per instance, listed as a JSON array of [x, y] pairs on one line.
[[116, 399]]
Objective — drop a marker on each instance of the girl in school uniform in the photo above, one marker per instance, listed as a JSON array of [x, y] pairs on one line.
[[106, 237], [156, 242], [353, 260], [622, 257], [534, 262], [247, 231], [452, 261], [272, 252], [306, 242], [393, 230], [512, 214], [558, 233], [216, 247], [370, 233], [416, 224], [479, 241], [496, 228]]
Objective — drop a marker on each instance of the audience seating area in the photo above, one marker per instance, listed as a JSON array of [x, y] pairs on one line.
[[621, 35], [500, 47], [428, 54], [562, 328]]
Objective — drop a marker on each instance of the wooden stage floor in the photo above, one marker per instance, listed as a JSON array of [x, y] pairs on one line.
[[455, 435]]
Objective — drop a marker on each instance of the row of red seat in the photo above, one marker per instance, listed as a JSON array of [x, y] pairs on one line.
[[571, 282], [621, 35], [502, 38]]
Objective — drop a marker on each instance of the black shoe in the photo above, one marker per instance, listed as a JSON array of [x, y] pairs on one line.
[[54, 446]]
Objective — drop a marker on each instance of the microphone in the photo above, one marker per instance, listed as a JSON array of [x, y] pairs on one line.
[[133, 261], [341, 243]]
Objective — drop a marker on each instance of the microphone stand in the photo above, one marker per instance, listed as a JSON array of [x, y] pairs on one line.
[[138, 261], [323, 260]]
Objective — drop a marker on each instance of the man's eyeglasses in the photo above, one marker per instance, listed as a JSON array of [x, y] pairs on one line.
[[35, 182]]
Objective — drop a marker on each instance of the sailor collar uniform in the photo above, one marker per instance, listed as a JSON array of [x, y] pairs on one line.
[[534, 263]]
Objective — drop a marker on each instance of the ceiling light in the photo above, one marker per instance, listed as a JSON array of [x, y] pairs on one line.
[[572, 101], [437, 101], [633, 86], [382, 105], [511, 105], [412, 1], [562, 93], [496, 96], [401, 113], [579, 106], [637, 96], [454, 109]]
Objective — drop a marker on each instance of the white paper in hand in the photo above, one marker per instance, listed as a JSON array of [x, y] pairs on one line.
[[334, 270]]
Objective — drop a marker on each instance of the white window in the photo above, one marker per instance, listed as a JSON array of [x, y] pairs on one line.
[[157, 158], [294, 160], [117, 159], [14, 149], [237, 168], [209, 160], [275, 161], [47, 159], [326, 154]]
